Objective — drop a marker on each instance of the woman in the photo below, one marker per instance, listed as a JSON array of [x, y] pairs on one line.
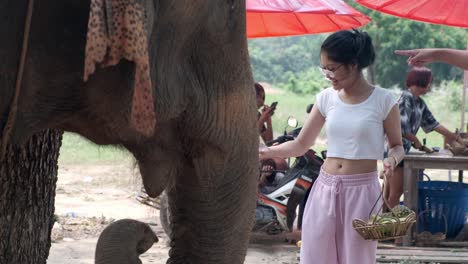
[[357, 115], [266, 133], [415, 114]]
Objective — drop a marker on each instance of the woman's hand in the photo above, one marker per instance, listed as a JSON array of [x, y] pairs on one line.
[[267, 112], [264, 152], [389, 166], [426, 149], [460, 140], [418, 57], [417, 145]]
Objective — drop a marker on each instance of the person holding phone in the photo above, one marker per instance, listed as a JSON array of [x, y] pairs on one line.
[[273, 106], [265, 130], [264, 115]]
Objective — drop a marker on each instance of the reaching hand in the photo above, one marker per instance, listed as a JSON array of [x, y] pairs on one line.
[[417, 145], [263, 152], [460, 140], [417, 57]]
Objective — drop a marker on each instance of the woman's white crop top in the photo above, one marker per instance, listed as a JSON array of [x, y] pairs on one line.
[[355, 131]]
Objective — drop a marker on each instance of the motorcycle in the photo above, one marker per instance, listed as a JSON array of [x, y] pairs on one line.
[[278, 199]]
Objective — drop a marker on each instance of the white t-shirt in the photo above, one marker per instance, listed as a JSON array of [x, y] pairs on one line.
[[355, 131]]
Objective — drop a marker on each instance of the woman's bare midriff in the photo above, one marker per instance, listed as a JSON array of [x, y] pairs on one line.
[[339, 166]]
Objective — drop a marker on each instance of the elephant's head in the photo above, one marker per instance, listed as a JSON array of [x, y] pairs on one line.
[[192, 45], [123, 241], [204, 148]]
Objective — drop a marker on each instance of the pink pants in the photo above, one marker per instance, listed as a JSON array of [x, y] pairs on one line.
[[328, 236]]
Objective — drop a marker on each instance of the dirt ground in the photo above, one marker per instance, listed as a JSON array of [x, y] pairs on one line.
[[91, 196]]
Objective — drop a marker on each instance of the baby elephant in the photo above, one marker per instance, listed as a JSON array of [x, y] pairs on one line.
[[123, 241]]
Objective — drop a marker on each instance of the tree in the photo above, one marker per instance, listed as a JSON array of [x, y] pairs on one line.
[[28, 174], [28, 177], [275, 59]]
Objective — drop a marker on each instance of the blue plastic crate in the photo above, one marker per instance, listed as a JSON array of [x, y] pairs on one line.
[[439, 199]]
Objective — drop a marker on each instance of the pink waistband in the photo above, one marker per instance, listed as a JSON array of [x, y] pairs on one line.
[[349, 179]]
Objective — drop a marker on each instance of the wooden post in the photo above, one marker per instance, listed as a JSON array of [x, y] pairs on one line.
[[410, 191]]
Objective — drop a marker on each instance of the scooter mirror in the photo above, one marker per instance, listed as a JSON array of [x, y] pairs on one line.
[[309, 108], [292, 122]]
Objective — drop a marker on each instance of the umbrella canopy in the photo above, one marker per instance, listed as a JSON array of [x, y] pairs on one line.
[[271, 18], [445, 12]]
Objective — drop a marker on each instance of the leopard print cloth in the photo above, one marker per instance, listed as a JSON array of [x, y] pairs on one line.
[[117, 29]]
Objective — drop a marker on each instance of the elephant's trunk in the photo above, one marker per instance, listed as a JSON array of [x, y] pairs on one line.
[[211, 224], [123, 241]]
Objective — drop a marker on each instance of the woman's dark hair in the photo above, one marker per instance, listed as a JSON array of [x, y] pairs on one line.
[[259, 90], [419, 76], [350, 47]]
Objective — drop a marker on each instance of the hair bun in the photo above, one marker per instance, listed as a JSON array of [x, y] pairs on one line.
[[350, 47]]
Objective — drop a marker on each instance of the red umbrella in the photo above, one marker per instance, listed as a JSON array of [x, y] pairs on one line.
[[271, 18], [445, 12]]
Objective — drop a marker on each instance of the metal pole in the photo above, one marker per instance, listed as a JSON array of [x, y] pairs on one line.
[[463, 101], [465, 83]]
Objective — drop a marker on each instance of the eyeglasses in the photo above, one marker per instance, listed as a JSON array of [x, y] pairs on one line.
[[329, 73]]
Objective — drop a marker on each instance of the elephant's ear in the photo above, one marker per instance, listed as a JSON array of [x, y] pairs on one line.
[[117, 29]]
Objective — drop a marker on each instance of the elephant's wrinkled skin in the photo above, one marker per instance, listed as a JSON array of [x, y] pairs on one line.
[[205, 145]]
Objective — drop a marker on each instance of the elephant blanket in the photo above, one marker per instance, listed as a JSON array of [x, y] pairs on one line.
[[117, 29]]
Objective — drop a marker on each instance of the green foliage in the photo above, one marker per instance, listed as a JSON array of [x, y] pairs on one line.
[[291, 62], [390, 33], [309, 81], [286, 62], [289, 104], [76, 149], [454, 93], [401, 211]]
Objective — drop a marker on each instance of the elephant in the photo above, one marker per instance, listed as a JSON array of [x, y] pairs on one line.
[[204, 149], [134, 238]]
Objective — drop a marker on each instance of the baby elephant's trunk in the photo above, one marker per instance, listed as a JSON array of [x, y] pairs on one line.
[[123, 241]]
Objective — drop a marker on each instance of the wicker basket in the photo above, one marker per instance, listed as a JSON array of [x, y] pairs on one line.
[[427, 238], [383, 228]]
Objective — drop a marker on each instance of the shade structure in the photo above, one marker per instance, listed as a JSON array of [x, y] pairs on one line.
[[445, 12], [272, 18]]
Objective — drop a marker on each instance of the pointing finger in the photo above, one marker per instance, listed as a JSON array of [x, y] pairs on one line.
[[406, 52]]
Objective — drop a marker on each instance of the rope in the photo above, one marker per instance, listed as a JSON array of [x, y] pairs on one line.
[[19, 79]]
